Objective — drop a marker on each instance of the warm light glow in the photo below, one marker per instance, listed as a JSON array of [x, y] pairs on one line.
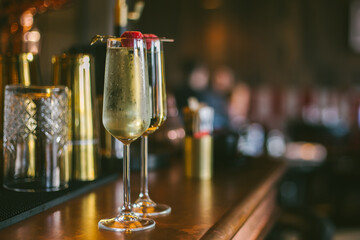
[[31, 41], [305, 151], [172, 135], [30, 57], [216, 36], [176, 134], [27, 19], [33, 36], [46, 3], [180, 133]]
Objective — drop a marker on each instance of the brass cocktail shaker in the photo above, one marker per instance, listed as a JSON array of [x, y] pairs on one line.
[[76, 71], [23, 68]]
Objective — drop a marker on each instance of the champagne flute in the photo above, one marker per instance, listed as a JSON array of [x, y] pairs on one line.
[[144, 205], [126, 115]]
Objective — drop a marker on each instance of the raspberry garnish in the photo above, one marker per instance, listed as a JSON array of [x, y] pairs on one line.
[[132, 34], [129, 36], [149, 38]]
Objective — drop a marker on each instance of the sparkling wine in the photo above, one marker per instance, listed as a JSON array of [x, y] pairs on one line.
[[127, 110], [158, 91], [144, 205]]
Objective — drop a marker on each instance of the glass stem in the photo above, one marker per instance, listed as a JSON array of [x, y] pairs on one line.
[[144, 192], [126, 209]]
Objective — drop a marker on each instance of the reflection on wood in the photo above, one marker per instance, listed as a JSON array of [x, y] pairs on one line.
[[234, 199]]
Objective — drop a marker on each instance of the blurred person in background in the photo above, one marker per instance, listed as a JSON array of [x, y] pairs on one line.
[[239, 104], [196, 82], [222, 84], [219, 90]]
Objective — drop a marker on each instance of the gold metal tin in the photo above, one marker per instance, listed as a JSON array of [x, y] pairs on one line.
[[77, 72], [198, 124], [199, 157]]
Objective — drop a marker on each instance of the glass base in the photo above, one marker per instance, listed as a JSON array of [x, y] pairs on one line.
[[32, 185], [127, 223], [147, 207]]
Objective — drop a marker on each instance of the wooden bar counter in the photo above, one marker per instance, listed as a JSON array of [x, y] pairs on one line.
[[237, 203]]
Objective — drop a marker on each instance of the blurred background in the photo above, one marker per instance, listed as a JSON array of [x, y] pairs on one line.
[[283, 77]]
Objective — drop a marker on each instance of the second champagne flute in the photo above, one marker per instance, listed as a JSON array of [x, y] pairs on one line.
[[155, 63], [126, 114]]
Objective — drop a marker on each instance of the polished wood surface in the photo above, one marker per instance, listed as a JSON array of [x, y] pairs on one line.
[[221, 208]]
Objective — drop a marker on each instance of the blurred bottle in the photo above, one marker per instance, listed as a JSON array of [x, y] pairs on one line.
[[120, 17]]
